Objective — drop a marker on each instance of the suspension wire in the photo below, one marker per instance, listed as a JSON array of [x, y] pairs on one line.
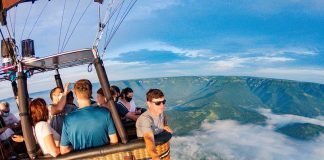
[[41, 13], [116, 19], [106, 36], [108, 16], [77, 24], [26, 22], [99, 14], [12, 30], [107, 23], [7, 45], [119, 9], [58, 48], [129, 7], [12, 42], [76, 7]]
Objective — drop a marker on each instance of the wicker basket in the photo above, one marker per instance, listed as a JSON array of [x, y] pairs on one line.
[[138, 154]]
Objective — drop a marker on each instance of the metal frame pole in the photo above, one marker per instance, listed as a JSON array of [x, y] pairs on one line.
[[58, 79], [24, 113], [101, 72]]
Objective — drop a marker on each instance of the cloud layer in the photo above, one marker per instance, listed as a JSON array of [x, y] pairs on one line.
[[228, 140]]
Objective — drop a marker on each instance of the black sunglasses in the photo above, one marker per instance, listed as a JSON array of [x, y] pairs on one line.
[[4, 111], [159, 102]]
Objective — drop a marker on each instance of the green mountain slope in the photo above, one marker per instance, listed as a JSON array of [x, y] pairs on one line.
[[302, 131], [192, 100]]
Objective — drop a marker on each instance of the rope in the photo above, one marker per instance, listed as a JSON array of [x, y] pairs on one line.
[[119, 9], [4, 39], [76, 7], [26, 21], [14, 33], [110, 33], [77, 24], [129, 7], [58, 48], [10, 22], [107, 18], [38, 19]]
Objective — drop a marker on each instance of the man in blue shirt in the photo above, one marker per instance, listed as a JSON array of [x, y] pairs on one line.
[[88, 126]]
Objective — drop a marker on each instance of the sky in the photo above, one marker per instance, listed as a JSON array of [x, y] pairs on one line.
[[274, 39]]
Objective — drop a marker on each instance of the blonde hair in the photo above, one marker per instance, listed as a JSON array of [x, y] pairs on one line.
[[4, 105]]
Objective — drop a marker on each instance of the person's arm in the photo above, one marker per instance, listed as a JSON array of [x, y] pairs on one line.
[[65, 149], [166, 126], [132, 116], [52, 148], [65, 144], [150, 145], [123, 112], [58, 108], [113, 138], [17, 138]]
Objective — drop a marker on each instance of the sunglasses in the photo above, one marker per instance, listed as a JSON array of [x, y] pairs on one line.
[[4, 111], [159, 102]]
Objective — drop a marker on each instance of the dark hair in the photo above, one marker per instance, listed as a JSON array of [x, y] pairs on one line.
[[38, 110], [69, 97], [100, 91], [125, 91], [112, 91], [154, 93], [83, 88], [53, 90], [116, 88]]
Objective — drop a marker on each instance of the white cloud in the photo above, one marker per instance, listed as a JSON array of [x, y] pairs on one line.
[[227, 140], [270, 7], [274, 120], [274, 51], [302, 74], [159, 46], [241, 62], [147, 8]]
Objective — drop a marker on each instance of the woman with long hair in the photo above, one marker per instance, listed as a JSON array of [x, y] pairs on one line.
[[46, 136]]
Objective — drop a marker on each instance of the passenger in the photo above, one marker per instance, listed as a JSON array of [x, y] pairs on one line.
[[117, 91], [62, 105], [5, 132], [9, 118], [127, 102], [81, 128], [153, 121], [122, 111], [47, 138]]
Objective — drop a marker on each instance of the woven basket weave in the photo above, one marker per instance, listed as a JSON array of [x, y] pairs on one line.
[[138, 154]]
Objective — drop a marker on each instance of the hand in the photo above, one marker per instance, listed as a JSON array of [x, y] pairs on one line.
[[168, 129], [66, 90], [17, 138], [138, 111]]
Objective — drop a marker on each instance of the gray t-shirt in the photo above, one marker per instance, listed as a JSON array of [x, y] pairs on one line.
[[56, 121], [149, 123]]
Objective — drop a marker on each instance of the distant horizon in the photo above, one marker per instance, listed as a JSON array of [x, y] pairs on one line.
[[134, 79]]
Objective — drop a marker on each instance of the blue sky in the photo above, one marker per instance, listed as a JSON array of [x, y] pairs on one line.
[[269, 38]]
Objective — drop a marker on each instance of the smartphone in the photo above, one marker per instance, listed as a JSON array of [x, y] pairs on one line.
[[70, 86]]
